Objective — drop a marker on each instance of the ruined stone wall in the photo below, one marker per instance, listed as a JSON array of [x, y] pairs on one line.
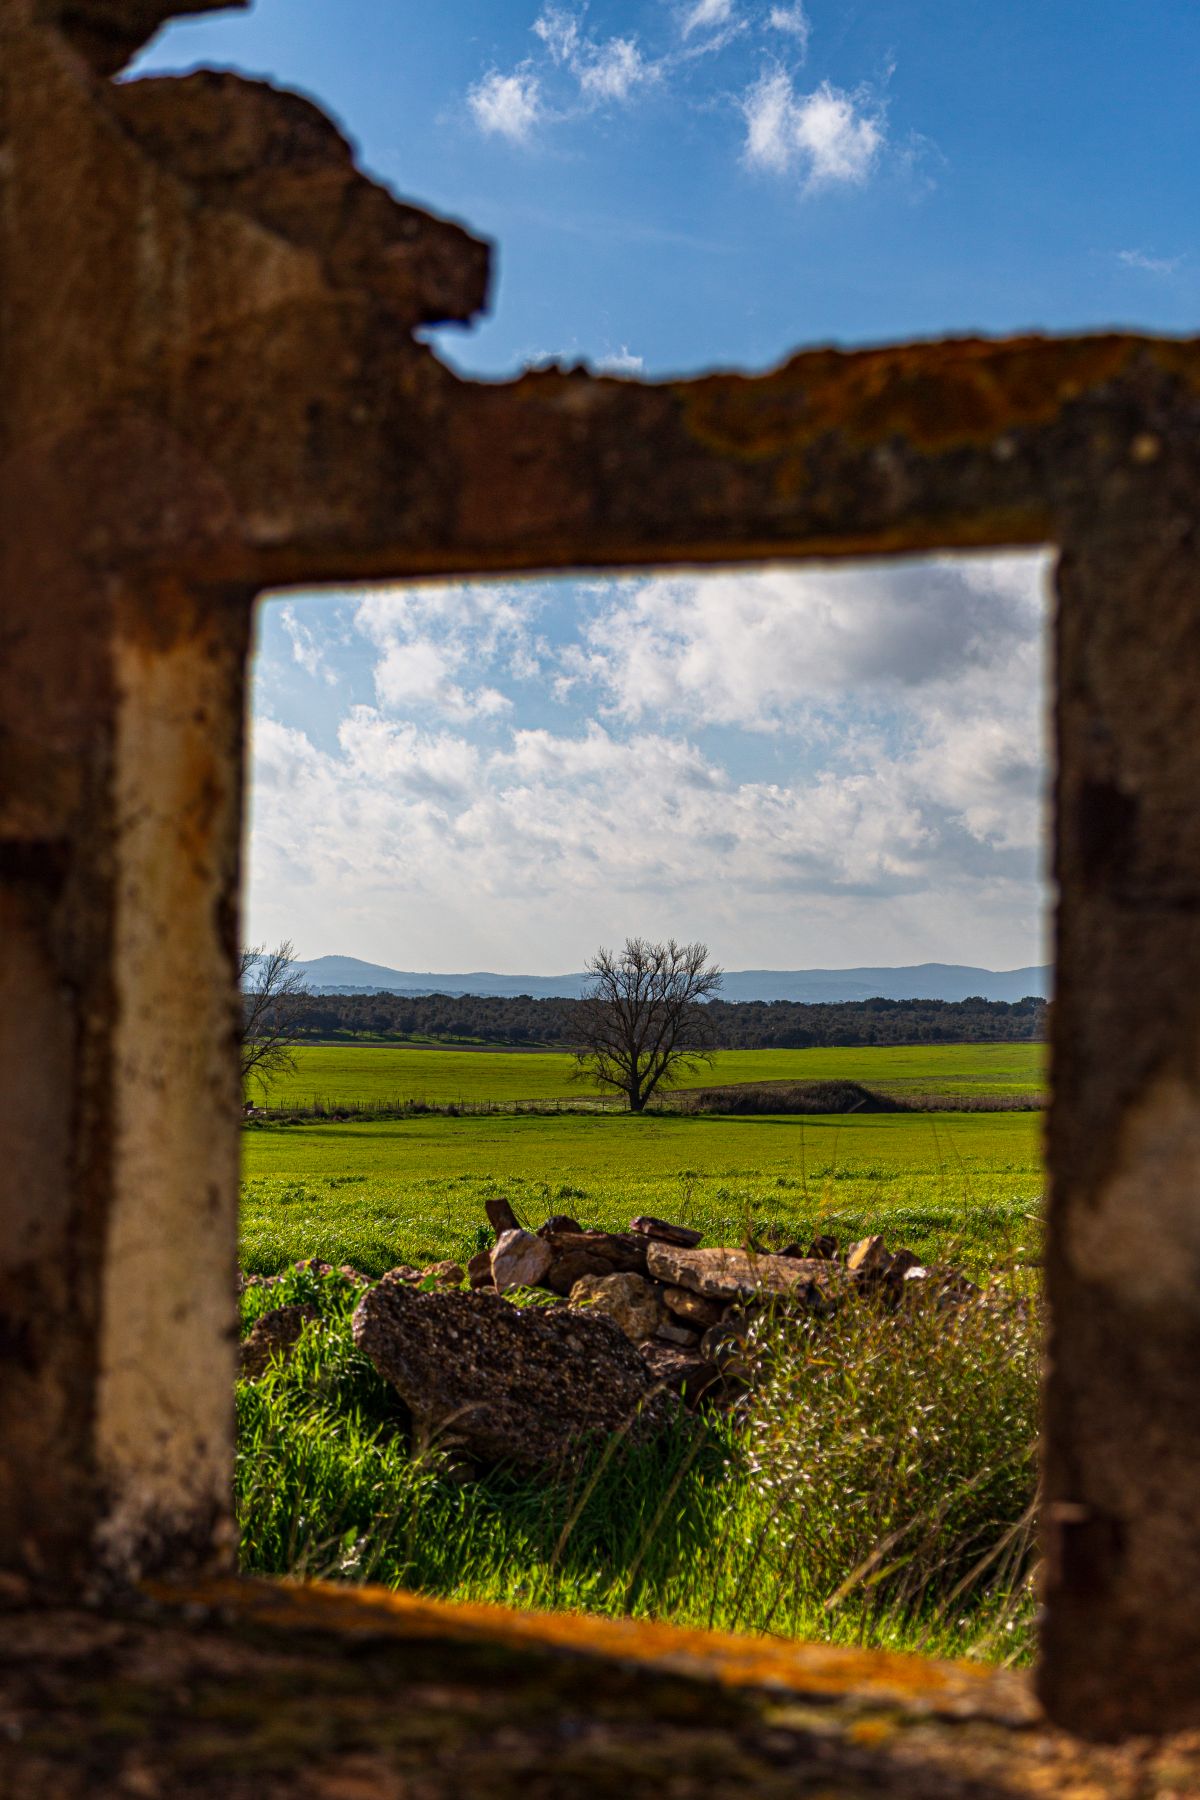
[[209, 386]]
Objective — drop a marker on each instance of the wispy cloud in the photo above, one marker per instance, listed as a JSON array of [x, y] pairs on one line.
[[1152, 265], [706, 15], [794, 22], [559, 30], [587, 72], [308, 648], [829, 137], [611, 71]]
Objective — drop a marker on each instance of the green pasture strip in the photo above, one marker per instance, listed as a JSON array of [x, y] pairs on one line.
[[965, 1186], [344, 1073]]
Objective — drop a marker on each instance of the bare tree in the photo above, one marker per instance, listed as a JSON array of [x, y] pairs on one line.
[[641, 1022], [270, 985]]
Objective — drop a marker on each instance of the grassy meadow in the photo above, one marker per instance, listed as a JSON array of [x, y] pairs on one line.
[[878, 1489], [345, 1073], [412, 1190]]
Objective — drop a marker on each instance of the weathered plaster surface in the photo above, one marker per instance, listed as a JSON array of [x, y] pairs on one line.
[[168, 1316]]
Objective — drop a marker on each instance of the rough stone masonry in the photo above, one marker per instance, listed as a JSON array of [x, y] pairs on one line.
[[209, 386]]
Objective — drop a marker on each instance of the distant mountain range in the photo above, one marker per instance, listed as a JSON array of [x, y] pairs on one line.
[[920, 981]]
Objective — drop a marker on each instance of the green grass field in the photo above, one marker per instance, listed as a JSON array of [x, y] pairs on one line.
[[412, 1190], [376, 1072], [764, 1526]]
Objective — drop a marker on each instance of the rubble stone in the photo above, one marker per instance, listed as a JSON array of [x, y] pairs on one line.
[[723, 1345], [694, 1309], [519, 1260], [272, 1338], [665, 1232], [902, 1261], [446, 1274], [681, 1335], [684, 1372], [629, 1300], [504, 1383], [733, 1275], [869, 1257], [479, 1270], [578, 1253], [500, 1214]]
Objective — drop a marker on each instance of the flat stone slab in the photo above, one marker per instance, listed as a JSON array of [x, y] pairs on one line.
[[529, 1386], [735, 1275]]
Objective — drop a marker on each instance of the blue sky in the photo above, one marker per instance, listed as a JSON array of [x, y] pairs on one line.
[[802, 766]]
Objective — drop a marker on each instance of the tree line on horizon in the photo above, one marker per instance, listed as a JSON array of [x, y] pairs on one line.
[[527, 1022]]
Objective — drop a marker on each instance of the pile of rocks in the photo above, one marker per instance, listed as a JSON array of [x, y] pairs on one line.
[[688, 1309], [553, 1339]]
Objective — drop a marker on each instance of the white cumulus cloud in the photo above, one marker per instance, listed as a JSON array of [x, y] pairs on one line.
[[827, 136], [429, 638], [814, 765], [507, 106], [620, 362]]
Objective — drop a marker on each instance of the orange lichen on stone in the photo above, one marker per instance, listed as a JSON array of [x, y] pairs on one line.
[[934, 397], [248, 1692], [875, 1677]]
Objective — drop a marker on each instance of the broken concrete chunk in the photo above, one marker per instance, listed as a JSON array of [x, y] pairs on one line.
[[519, 1260], [665, 1232], [504, 1383], [629, 1300]]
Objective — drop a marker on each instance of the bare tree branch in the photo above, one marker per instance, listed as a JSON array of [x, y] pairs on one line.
[[642, 1022], [270, 986]]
